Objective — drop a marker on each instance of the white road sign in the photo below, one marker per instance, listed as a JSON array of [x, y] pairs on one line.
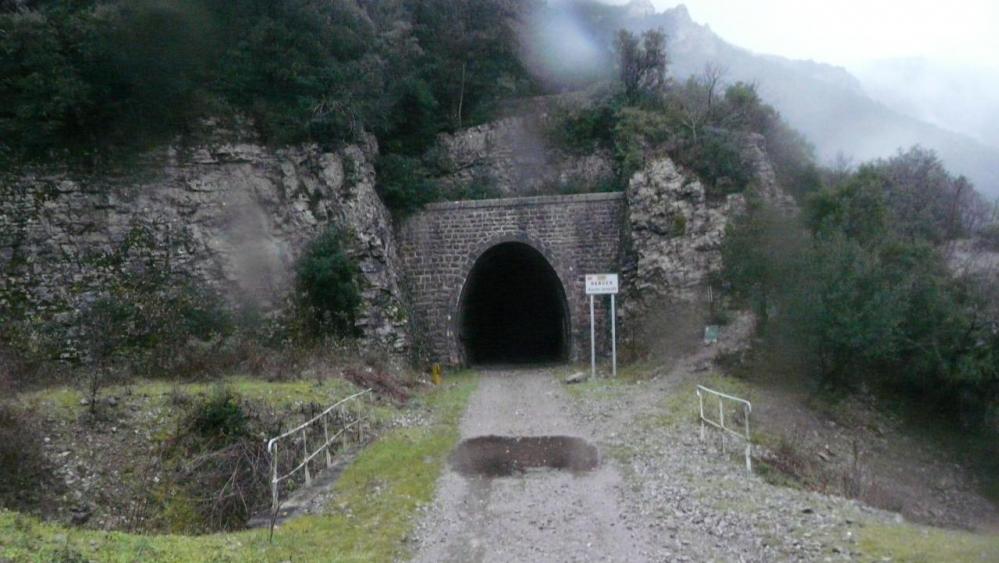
[[601, 284]]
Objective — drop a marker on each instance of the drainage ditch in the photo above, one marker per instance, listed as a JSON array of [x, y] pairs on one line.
[[499, 456]]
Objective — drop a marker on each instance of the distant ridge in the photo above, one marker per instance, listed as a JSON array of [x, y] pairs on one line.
[[825, 102]]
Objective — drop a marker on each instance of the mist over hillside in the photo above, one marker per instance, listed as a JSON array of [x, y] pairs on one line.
[[960, 97], [827, 103]]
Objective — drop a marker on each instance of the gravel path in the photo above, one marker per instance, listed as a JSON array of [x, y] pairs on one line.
[[542, 515], [660, 494]]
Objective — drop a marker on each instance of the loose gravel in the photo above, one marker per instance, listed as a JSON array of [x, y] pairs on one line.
[[659, 494]]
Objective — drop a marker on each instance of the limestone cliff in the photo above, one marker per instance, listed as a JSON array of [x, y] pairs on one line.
[[230, 216], [676, 234], [515, 158]]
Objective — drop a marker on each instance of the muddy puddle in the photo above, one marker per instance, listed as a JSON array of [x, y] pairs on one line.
[[498, 456]]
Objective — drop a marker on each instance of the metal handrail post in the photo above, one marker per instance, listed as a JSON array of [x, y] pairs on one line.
[[721, 418], [354, 427], [274, 476], [747, 408], [305, 457], [700, 403], [749, 444], [326, 443]]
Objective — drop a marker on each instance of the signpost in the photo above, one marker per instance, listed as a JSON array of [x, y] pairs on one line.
[[602, 284]]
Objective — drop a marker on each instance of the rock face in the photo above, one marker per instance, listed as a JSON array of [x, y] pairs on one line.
[[234, 217], [677, 229], [513, 156], [676, 234], [765, 185]]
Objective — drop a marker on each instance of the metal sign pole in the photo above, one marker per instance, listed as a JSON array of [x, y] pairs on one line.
[[593, 345], [613, 338]]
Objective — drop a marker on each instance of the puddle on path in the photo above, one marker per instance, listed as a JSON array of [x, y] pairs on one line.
[[498, 456]]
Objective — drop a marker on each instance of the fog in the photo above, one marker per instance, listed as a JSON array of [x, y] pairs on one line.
[[962, 97], [561, 48], [935, 61]]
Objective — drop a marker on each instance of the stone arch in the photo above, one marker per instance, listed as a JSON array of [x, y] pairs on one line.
[[457, 300]]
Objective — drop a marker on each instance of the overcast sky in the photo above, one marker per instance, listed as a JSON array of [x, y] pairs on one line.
[[852, 32]]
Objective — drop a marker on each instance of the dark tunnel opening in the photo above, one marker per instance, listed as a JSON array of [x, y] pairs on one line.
[[513, 309]]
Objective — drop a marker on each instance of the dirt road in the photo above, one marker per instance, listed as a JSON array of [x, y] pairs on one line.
[[659, 493], [539, 515]]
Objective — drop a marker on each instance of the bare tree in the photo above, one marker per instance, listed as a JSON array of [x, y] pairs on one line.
[[696, 105], [712, 77]]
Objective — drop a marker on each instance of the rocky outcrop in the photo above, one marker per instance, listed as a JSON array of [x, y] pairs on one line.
[[765, 185], [676, 234], [233, 216], [514, 157]]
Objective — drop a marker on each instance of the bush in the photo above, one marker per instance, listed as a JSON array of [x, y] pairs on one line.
[[150, 322], [20, 355], [864, 305], [217, 465], [220, 418], [718, 158], [480, 187], [404, 184], [328, 287], [585, 130], [24, 471], [636, 132], [988, 238]]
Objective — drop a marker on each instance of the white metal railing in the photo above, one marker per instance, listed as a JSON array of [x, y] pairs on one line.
[[307, 456], [720, 423]]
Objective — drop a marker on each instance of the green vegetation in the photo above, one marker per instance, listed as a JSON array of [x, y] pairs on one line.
[[858, 291], [90, 82], [64, 401], [913, 544], [373, 509], [702, 124], [681, 404], [328, 286], [23, 466]]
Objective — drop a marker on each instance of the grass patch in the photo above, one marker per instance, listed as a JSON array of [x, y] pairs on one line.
[[596, 388], [638, 371], [374, 508], [918, 543], [681, 406], [64, 401]]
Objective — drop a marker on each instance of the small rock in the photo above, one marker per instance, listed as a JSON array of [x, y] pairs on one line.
[[577, 377], [112, 401], [84, 402], [80, 515]]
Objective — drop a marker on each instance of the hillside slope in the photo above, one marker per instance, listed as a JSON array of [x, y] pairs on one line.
[[826, 103]]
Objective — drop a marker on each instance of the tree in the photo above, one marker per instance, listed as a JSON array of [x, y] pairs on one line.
[[471, 53], [641, 62], [329, 287]]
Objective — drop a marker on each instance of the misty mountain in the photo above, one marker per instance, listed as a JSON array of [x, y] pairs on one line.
[[960, 97], [827, 103]]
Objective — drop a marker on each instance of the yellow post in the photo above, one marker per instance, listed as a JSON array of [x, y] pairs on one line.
[[437, 374]]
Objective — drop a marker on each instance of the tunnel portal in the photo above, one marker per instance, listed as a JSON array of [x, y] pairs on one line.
[[513, 309]]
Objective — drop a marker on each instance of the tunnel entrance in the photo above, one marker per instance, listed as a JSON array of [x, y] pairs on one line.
[[513, 309]]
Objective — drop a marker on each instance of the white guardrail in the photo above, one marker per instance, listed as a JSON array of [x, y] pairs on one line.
[[720, 423], [307, 456]]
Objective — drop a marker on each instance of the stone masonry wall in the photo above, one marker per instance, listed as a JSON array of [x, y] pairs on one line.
[[577, 234]]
